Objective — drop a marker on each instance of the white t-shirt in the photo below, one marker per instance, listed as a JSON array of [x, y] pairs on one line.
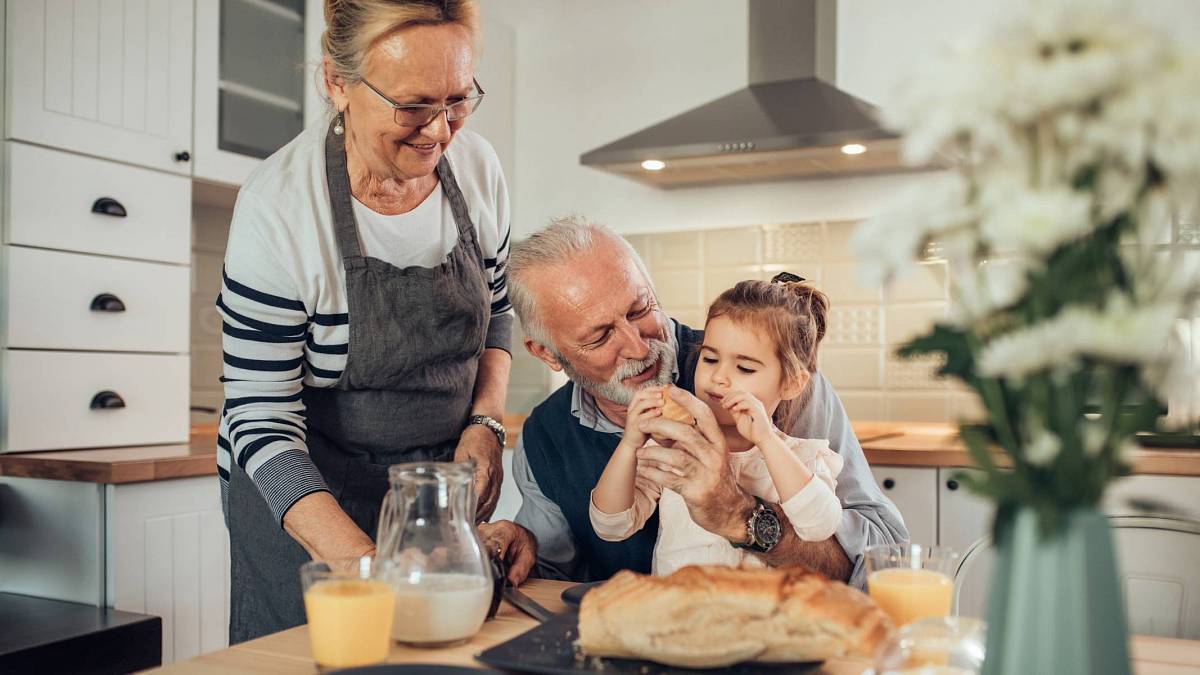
[[422, 237]]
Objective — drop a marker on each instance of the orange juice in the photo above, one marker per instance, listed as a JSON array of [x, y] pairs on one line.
[[349, 621], [910, 594]]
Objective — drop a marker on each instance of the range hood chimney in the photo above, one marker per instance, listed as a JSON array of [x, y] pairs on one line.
[[790, 122]]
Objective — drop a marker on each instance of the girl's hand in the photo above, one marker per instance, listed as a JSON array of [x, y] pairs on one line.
[[753, 422], [646, 405]]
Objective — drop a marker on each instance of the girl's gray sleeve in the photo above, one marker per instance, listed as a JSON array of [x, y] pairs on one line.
[[868, 516]]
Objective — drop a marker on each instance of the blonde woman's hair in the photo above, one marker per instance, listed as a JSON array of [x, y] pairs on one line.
[[353, 26]]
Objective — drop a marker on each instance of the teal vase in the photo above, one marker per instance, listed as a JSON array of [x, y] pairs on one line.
[[1055, 603]]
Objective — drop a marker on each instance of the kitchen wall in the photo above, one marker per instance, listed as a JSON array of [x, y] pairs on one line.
[[589, 73]]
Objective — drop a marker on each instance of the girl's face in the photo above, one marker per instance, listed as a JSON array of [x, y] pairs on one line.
[[735, 357]]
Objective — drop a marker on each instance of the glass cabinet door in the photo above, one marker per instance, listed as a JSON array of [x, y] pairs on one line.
[[261, 86]]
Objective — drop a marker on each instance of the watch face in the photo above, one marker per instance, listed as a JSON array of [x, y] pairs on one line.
[[766, 528]]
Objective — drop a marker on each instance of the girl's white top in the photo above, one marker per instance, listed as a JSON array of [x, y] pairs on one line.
[[814, 511]]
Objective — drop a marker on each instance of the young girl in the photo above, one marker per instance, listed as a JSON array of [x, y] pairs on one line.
[[759, 351]]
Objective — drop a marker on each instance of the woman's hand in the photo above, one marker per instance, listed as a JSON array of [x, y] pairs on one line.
[[480, 444], [646, 405], [750, 415]]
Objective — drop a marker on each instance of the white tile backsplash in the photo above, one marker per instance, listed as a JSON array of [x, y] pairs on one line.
[[905, 322], [851, 368], [788, 243], [717, 280], [742, 246], [679, 287], [849, 326], [925, 283], [912, 373], [841, 282], [676, 250]]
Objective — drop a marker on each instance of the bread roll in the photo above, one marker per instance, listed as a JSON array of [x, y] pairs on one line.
[[673, 411], [712, 617]]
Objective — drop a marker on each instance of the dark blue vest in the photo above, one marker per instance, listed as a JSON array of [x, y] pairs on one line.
[[567, 459]]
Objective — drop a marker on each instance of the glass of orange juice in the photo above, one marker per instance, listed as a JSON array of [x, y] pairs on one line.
[[349, 612], [911, 581]]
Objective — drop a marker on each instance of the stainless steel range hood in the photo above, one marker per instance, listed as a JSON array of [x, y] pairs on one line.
[[790, 122]]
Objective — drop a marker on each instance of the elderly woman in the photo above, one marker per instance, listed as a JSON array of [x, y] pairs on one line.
[[365, 315]]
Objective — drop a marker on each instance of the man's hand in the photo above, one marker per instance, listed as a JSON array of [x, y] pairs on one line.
[[697, 467], [480, 444], [513, 544]]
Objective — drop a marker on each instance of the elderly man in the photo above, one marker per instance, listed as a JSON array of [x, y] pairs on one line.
[[589, 310]]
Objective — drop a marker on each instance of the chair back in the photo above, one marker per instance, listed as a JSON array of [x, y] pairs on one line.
[[1158, 560]]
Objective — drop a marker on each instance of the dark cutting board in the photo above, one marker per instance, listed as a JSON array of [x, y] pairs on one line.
[[550, 649]]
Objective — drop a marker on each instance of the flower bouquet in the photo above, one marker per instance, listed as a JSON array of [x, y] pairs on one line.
[[1072, 139]]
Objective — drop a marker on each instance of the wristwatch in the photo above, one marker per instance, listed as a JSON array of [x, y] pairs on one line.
[[763, 528], [491, 423]]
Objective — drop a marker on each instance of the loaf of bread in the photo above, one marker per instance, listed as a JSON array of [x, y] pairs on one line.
[[673, 411], [712, 617]]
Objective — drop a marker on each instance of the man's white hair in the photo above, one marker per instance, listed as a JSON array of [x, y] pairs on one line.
[[563, 239]]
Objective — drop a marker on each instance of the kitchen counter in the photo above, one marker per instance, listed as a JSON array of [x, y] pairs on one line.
[[289, 651], [914, 444]]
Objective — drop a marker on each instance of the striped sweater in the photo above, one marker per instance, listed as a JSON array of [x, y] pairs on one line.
[[284, 306]]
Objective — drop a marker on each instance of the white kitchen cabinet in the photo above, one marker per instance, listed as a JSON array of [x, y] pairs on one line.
[[69, 202], [914, 492], [52, 400], [59, 300], [250, 83], [168, 555], [157, 548], [109, 78], [963, 516]]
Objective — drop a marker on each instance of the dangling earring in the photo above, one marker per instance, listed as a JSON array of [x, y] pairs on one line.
[[338, 127]]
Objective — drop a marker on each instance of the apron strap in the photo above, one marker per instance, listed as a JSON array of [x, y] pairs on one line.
[[458, 206], [338, 180]]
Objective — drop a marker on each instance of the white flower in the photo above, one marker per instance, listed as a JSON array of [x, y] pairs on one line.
[[984, 287], [1033, 221], [1093, 436], [1043, 448], [890, 242], [1121, 333], [1072, 52]]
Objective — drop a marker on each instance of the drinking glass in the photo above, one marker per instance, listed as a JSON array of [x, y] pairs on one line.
[[936, 646], [349, 611], [911, 581]]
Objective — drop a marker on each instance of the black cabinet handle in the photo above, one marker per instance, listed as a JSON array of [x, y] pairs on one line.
[[183, 156], [107, 400], [107, 302], [107, 206], [951, 484], [888, 483]]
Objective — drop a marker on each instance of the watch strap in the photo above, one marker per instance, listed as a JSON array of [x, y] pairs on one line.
[[493, 424]]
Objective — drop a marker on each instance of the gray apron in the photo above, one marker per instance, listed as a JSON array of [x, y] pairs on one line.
[[415, 338]]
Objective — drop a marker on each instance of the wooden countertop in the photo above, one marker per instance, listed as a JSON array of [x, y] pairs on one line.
[[915, 444], [289, 651]]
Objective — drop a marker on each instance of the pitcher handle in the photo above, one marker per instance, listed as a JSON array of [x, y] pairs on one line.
[[385, 531]]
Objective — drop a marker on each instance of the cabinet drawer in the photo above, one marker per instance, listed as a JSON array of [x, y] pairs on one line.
[[75, 301], [54, 198], [914, 492], [49, 397]]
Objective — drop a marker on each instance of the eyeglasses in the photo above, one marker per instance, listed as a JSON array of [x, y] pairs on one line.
[[420, 114]]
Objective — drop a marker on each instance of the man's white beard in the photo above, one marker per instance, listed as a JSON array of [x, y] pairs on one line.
[[614, 390]]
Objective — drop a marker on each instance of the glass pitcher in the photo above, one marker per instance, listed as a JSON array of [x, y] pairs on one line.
[[428, 551]]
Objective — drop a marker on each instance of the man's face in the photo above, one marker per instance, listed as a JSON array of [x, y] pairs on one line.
[[609, 335]]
